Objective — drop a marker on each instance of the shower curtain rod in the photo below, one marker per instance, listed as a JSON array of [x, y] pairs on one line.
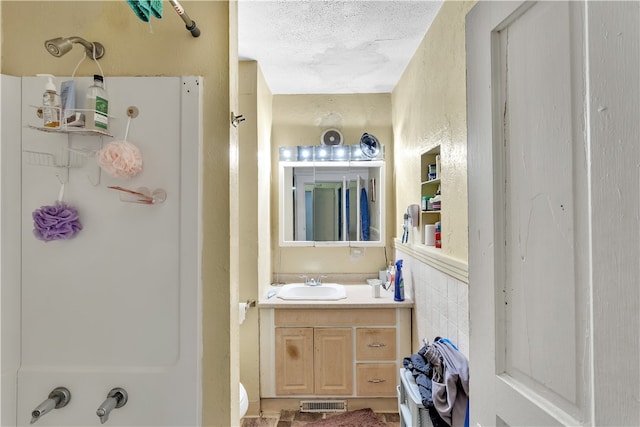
[[190, 24]]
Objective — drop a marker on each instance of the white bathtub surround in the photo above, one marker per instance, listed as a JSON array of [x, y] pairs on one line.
[[441, 298], [134, 271]]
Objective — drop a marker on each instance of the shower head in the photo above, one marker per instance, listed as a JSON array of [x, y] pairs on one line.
[[61, 45]]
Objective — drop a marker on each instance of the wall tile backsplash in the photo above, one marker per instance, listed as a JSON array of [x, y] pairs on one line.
[[441, 303]]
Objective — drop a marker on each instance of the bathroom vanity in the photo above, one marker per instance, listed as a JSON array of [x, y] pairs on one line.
[[345, 349]]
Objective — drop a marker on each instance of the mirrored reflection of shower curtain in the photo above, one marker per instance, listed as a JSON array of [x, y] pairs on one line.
[[340, 219], [364, 214]]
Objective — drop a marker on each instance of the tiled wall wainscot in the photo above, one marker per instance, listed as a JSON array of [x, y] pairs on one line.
[[440, 290]]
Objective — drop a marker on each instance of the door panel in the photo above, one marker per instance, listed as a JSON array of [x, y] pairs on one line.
[[554, 186], [544, 222], [531, 264], [294, 361], [333, 361]]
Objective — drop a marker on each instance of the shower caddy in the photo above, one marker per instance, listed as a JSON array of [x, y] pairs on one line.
[[76, 157]]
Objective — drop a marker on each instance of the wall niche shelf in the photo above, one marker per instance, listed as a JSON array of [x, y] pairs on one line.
[[430, 181]]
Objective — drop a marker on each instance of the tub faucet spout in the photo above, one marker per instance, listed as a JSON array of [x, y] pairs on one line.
[[58, 398], [116, 398]]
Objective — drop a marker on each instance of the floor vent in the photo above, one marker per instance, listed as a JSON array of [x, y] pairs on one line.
[[323, 406]]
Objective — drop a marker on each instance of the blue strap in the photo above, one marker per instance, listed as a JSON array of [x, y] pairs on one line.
[[448, 342]]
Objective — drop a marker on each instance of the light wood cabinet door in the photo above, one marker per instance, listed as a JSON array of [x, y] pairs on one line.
[[333, 361], [294, 361]]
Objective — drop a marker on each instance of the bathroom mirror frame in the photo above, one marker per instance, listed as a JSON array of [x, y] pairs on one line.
[[300, 181]]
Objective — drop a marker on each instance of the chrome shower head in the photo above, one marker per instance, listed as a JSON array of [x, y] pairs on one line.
[[61, 45]]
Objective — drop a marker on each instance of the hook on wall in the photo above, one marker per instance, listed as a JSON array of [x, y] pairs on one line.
[[236, 120]]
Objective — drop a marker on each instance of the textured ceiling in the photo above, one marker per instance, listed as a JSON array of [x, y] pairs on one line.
[[355, 46]]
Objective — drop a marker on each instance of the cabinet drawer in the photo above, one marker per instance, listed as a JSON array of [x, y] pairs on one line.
[[335, 317], [375, 344], [376, 379]]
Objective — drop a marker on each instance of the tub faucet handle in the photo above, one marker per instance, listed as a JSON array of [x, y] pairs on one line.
[[320, 277], [116, 398], [58, 398]]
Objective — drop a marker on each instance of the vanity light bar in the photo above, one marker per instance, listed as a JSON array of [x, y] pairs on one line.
[[288, 153], [323, 153]]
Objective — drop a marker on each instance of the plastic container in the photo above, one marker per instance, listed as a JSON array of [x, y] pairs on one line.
[[412, 411], [391, 275], [375, 287], [398, 290], [50, 104], [68, 101], [430, 234], [97, 105]]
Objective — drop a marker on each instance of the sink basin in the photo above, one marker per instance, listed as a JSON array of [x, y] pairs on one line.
[[300, 291]]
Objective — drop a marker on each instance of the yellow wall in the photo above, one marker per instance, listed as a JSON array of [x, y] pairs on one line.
[[164, 48], [265, 121], [429, 108], [254, 176], [300, 120]]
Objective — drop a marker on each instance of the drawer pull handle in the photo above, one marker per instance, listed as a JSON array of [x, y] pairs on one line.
[[377, 344], [376, 380]]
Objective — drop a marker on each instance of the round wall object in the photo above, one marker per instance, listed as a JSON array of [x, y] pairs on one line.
[[369, 145], [331, 137]]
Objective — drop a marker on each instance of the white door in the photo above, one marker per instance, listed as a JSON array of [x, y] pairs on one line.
[[552, 138]]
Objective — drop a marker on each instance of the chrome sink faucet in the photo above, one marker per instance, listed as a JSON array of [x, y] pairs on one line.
[[313, 281]]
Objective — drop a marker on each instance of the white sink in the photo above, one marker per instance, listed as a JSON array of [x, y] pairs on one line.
[[300, 291]]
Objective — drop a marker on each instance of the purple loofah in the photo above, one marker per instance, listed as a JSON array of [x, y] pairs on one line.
[[56, 222]]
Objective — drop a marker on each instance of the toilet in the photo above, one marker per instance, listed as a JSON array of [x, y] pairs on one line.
[[244, 401]]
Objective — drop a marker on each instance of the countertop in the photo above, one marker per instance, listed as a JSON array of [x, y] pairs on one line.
[[358, 296]]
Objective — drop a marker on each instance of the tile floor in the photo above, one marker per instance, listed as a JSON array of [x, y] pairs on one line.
[[298, 419]]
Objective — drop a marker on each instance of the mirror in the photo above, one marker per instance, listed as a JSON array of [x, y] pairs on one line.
[[332, 203]]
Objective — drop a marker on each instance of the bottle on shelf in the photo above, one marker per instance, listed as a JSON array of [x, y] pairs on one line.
[[97, 105], [435, 203], [50, 104], [432, 175]]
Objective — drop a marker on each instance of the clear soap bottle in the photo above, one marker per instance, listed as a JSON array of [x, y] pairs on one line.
[[50, 105], [97, 105]]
